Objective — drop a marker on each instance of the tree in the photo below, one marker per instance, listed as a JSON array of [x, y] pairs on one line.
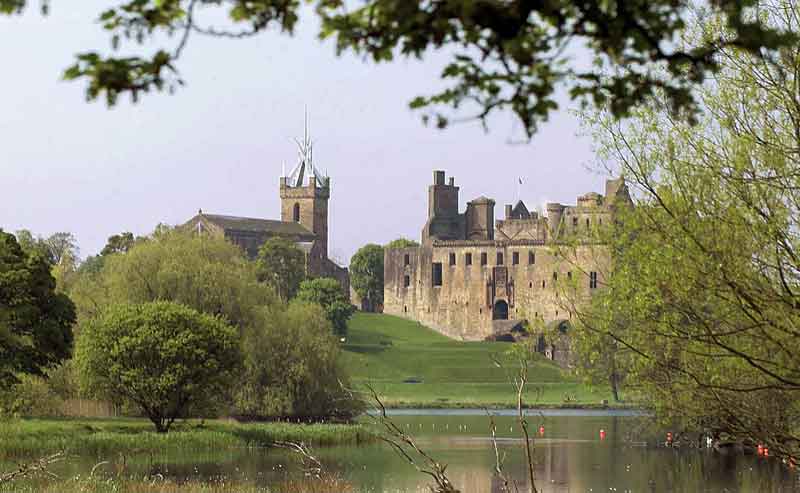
[[292, 367], [161, 356], [366, 273], [58, 248], [402, 243], [208, 274], [509, 55], [281, 265], [706, 266], [35, 320], [120, 243], [328, 294]]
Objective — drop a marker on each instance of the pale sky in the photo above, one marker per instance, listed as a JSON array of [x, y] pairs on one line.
[[218, 143]]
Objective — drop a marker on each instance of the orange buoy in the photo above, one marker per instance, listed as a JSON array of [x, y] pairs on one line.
[[760, 449], [669, 437], [602, 434], [766, 452], [541, 431]]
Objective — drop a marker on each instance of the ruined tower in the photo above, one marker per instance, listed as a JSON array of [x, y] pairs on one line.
[[304, 195]]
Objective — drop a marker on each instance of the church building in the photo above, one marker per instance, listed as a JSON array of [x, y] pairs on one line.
[[304, 194]]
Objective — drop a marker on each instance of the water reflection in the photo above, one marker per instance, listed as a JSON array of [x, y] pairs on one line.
[[570, 457]]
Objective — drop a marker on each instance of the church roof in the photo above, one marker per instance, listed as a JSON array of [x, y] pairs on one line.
[[255, 225], [520, 211]]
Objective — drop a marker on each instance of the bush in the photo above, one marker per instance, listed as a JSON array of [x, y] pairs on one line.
[[292, 368], [31, 396], [166, 358]]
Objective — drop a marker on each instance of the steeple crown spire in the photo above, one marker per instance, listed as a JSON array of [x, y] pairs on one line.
[[305, 173]]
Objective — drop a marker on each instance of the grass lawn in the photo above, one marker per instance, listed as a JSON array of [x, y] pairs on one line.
[[104, 436], [410, 365]]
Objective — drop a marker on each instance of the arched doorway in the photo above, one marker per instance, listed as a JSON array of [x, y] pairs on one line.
[[500, 311]]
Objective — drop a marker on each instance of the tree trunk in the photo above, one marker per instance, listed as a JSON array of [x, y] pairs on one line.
[[158, 421], [613, 379]]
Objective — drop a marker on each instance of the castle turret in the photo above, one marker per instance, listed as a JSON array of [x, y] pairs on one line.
[[442, 199], [554, 213], [480, 219], [304, 196], [444, 221]]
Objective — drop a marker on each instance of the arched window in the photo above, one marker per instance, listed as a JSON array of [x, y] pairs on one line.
[[296, 213]]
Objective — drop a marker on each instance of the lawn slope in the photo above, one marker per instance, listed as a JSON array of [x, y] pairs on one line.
[[413, 366]]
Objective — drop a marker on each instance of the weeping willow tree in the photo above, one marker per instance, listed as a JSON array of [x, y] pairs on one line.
[[702, 310]]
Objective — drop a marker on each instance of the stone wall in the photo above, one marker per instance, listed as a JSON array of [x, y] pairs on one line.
[[462, 307]]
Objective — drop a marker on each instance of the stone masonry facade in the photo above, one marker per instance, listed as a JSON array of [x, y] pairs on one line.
[[475, 278]]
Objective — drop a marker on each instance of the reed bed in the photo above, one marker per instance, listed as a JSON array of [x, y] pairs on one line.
[[103, 437], [118, 484]]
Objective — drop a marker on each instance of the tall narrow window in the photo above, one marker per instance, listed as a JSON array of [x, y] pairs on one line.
[[406, 281], [484, 258], [555, 276], [499, 258], [452, 259], [588, 224], [406, 259], [515, 258], [574, 222], [531, 258], [296, 213], [543, 284], [437, 274], [468, 259], [569, 275], [592, 280]]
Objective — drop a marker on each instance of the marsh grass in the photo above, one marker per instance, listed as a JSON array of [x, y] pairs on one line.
[[118, 484], [106, 437]]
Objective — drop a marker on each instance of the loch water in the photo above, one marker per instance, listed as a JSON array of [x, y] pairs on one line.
[[570, 454]]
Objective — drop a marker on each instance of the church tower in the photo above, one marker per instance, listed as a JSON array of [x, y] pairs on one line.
[[305, 193]]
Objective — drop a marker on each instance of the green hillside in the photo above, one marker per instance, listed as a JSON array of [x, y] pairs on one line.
[[413, 366]]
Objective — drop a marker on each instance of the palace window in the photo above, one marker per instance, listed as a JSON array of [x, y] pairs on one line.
[[593, 280], [587, 223], [437, 274], [406, 281], [515, 258], [569, 275], [531, 258], [296, 213], [452, 259], [468, 259], [555, 276], [499, 258], [574, 222], [406, 259], [543, 284], [484, 258]]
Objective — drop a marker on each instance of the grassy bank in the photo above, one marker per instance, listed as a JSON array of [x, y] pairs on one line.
[[413, 366], [100, 483], [101, 437], [115, 484]]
